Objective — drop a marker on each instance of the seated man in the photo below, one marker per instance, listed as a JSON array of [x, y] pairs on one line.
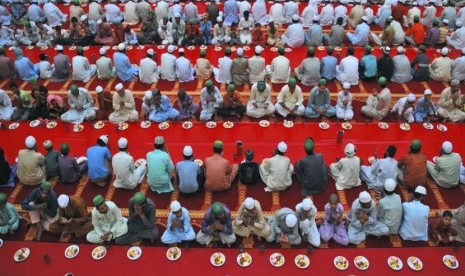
[[344, 109], [240, 68], [203, 68], [458, 223], [223, 72], [124, 106], [123, 66], [141, 221], [260, 103], [311, 171], [42, 206], [107, 220], [105, 103], [290, 100], [9, 218], [333, 226], [178, 228], [319, 103], [306, 214], [404, 108], [24, 103], [284, 227], [31, 164], [346, 171], [70, 171], [216, 226], [6, 107], [232, 103], [440, 229], [187, 108], [80, 104], [441, 67], [276, 172], [445, 171], [362, 220], [279, 70], [189, 173], [51, 160], [219, 174], [308, 71], [249, 171], [450, 103], [381, 169], [73, 217], [250, 220], [390, 207], [377, 106], [412, 167], [347, 71], [425, 109], [163, 109], [414, 225], [184, 69], [211, 100], [97, 158], [160, 168], [82, 70], [126, 173]]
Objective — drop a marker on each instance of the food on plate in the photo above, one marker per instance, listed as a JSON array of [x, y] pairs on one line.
[[13, 125], [145, 124], [346, 125], [34, 123], [164, 125], [450, 261], [442, 127], [341, 262], [134, 252], [324, 125], [228, 124], [287, 123], [217, 259], [415, 263], [187, 125], [22, 254], [405, 126], [173, 253], [428, 126], [78, 128], [361, 262], [211, 124], [395, 263], [71, 251], [301, 261], [99, 252], [277, 259], [123, 126], [383, 125], [264, 123], [245, 259]]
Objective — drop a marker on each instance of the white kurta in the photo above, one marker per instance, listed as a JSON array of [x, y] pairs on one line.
[[168, 67], [81, 107], [6, 108], [346, 173], [327, 15], [307, 15], [82, 70], [126, 113], [276, 13], [223, 72], [344, 112], [256, 69], [245, 30], [184, 70], [307, 225], [127, 175], [45, 69], [112, 222], [347, 70], [276, 173], [294, 35], [148, 71], [279, 70]]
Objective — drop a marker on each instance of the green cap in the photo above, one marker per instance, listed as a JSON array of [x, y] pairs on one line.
[[166, 17], [203, 53], [26, 24], [416, 18], [46, 186], [422, 47], [98, 200], [330, 49], [209, 83], [292, 81], [308, 145], [80, 50], [322, 82], [2, 50], [368, 49], [311, 50], [388, 19], [218, 144], [382, 80], [415, 145], [138, 198], [281, 50], [33, 80], [74, 89], [3, 197], [64, 148], [76, 2], [228, 50], [217, 208], [192, 21], [231, 87], [261, 86], [436, 21]]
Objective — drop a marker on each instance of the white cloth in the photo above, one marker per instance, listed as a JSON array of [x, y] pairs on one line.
[[113, 13], [168, 67], [184, 70], [294, 35], [127, 175], [80, 107], [54, 16], [290, 9], [307, 225], [399, 108], [148, 71], [256, 69], [259, 12], [45, 69], [82, 70], [279, 70], [307, 15], [346, 173], [327, 15], [347, 71], [344, 112], [126, 113], [112, 222], [246, 35], [6, 108], [276, 13], [276, 173], [130, 15], [223, 72]]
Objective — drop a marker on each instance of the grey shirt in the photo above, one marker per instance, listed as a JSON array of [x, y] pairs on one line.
[[312, 174]]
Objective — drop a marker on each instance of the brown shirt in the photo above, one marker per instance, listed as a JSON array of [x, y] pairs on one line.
[[105, 106], [76, 209], [229, 100], [437, 227], [217, 172], [7, 68], [398, 13], [414, 169]]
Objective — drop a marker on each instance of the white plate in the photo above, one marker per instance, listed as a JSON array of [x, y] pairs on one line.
[[163, 126], [78, 128], [145, 124], [123, 126], [302, 261], [13, 126], [450, 261], [1, 243], [198, 161], [140, 162], [99, 252], [264, 123], [211, 124], [228, 124], [337, 49], [405, 126], [414, 263], [74, 48], [244, 259], [323, 125], [161, 47], [428, 126], [441, 127], [99, 125], [173, 253], [346, 126], [246, 48], [277, 259], [383, 125], [71, 251], [395, 263], [134, 253], [86, 48], [321, 48], [52, 124], [288, 50], [140, 47], [34, 123], [187, 125], [341, 263], [217, 259], [81, 159], [190, 48], [288, 124], [361, 263], [274, 49], [22, 254]]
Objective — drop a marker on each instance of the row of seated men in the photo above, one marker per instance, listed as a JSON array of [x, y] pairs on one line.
[[120, 106]]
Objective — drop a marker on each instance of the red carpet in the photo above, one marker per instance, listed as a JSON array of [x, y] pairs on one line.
[[196, 261]]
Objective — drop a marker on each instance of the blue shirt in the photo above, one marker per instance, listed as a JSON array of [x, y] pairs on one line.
[[424, 108], [362, 31], [25, 69], [160, 167], [231, 11], [328, 67], [319, 100], [205, 27], [187, 174], [123, 66], [370, 66], [51, 201], [165, 105], [96, 157], [414, 225]]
